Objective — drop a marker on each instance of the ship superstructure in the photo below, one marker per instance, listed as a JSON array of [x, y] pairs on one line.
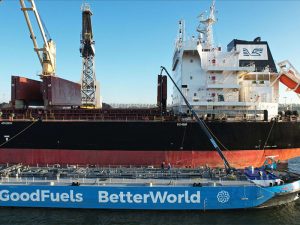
[[227, 84]]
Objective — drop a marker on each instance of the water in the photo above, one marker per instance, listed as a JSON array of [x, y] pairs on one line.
[[288, 214]]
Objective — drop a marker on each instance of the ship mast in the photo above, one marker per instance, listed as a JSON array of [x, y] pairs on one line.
[[205, 27], [181, 34]]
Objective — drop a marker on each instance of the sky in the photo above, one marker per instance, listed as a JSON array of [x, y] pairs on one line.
[[134, 38]]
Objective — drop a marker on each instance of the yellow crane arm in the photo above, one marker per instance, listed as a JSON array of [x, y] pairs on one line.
[[47, 54]]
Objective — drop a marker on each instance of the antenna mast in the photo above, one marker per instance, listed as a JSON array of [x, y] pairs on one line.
[[205, 27], [181, 34]]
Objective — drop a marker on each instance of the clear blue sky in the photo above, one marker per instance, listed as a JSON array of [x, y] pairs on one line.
[[134, 38]]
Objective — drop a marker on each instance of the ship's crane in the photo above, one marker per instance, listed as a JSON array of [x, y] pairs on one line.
[[46, 54], [89, 87]]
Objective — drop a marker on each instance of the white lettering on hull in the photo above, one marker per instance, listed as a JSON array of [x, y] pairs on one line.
[[153, 197], [40, 196]]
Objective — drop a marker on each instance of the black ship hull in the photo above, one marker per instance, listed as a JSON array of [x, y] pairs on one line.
[[145, 143]]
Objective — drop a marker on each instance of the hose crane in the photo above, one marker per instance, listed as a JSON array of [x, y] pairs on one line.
[[46, 54], [202, 125]]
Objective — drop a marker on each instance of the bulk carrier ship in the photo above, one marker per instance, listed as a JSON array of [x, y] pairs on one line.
[[235, 91]]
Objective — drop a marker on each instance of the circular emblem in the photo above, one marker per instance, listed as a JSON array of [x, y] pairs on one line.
[[223, 196]]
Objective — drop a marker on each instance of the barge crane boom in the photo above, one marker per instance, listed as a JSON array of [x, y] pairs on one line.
[[228, 168], [47, 54]]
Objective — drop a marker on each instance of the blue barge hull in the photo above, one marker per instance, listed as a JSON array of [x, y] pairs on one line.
[[149, 197]]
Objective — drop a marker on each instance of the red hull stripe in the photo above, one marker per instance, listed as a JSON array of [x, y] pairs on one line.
[[237, 158]]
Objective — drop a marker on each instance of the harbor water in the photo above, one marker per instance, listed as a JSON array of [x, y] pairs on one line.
[[288, 214]]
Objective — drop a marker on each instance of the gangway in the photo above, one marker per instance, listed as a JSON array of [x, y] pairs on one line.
[[289, 76]]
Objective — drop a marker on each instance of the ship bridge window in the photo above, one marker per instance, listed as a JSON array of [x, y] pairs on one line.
[[221, 98], [249, 77], [195, 94], [263, 77]]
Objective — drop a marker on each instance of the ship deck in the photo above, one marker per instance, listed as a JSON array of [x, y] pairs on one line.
[[134, 114], [117, 182], [116, 176], [124, 114]]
